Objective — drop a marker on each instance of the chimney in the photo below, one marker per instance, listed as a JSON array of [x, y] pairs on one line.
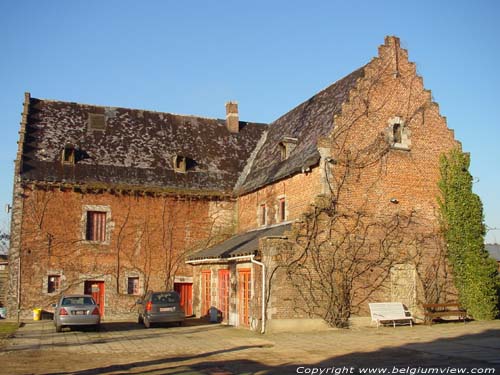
[[232, 117]]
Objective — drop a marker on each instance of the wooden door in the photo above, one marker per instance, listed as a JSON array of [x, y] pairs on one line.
[[185, 290], [206, 292], [224, 294], [244, 287], [96, 290]]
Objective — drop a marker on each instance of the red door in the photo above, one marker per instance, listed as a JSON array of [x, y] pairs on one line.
[[244, 288], [185, 290], [224, 293], [96, 290], [206, 292]]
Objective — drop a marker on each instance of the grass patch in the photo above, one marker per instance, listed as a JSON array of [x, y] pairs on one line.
[[7, 328]]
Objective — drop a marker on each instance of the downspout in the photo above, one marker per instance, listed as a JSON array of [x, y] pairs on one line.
[[19, 288], [263, 326]]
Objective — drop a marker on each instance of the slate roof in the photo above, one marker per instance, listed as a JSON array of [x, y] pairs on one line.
[[494, 250], [137, 148], [307, 123], [242, 244]]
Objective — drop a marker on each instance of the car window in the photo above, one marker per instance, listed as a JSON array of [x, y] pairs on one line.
[[165, 298], [77, 301]]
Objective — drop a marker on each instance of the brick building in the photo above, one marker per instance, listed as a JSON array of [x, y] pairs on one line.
[[117, 201]]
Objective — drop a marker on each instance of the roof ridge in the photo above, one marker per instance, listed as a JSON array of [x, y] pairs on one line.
[[141, 110]]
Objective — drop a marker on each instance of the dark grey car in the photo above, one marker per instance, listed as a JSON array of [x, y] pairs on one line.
[[160, 307], [76, 310]]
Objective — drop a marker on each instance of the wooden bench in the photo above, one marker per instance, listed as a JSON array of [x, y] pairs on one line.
[[390, 312], [440, 310]]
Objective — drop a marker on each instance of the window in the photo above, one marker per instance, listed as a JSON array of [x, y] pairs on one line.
[[97, 122], [286, 146], [263, 214], [397, 133], [133, 286], [68, 154], [180, 163], [96, 226], [283, 152], [281, 210], [53, 283]]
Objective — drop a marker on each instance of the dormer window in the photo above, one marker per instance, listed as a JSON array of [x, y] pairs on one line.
[[286, 146], [398, 134], [68, 154], [180, 163]]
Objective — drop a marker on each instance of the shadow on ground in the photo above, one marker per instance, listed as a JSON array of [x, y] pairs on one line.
[[466, 351]]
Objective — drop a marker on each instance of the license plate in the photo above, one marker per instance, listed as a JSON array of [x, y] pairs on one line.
[[164, 309], [80, 312]]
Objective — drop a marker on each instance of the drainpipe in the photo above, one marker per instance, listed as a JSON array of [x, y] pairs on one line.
[[19, 288], [263, 326]]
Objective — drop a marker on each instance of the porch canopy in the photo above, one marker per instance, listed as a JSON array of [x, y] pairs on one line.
[[244, 244]]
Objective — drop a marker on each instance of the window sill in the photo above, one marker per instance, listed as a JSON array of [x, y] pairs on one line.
[[89, 242], [400, 147]]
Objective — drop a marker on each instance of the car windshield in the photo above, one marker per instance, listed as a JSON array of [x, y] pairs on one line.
[[77, 301], [165, 298]]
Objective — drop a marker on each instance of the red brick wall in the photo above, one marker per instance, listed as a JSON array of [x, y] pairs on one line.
[[299, 191], [391, 88], [148, 237]]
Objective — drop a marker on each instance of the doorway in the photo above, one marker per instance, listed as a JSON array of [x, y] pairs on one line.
[[224, 294], [96, 290], [185, 290]]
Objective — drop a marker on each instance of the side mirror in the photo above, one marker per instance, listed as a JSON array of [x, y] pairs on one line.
[[139, 302]]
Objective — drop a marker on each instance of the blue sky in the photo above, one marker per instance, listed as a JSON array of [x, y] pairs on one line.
[[192, 56]]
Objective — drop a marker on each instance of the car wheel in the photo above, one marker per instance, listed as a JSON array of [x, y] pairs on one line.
[[58, 328], [147, 323], [97, 328], [181, 323]]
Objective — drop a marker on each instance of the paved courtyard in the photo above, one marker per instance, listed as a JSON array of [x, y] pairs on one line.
[[198, 348]]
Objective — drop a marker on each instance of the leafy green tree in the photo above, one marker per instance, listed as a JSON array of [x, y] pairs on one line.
[[474, 272]]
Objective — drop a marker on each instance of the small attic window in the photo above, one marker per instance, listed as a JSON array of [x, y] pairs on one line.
[[398, 134], [97, 122], [286, 146], [180, 164], [68, 154]]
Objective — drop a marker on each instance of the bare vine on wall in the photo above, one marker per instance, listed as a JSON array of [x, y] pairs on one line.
[[341, 253]]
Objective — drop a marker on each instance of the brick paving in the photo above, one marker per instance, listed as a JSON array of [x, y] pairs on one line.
[[127, 348]]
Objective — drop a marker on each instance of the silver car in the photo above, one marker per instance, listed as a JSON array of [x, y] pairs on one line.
[[76, 310], [160, 307]]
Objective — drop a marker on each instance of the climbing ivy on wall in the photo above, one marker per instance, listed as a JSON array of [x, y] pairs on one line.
[[474, 272]]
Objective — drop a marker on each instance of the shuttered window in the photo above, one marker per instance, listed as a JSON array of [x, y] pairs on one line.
[[96, 226]]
